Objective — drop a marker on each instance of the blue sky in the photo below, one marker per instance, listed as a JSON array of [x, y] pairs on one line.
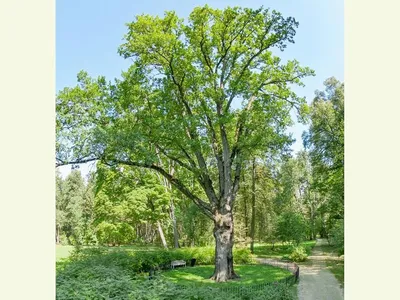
[[89, 32]]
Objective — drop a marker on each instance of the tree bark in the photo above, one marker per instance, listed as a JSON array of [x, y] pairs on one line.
[[223, 234], [174, 226], [160, 231], [312, 223], [246, 217], [253, 205], [58, 235], [168, 188]]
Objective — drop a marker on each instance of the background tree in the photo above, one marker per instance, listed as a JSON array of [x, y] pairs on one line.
[[69, 204], [129, 198], [60, 216], [325, 141], [180, 99]]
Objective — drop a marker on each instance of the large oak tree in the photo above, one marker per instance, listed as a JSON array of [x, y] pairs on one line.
[[202, 93]]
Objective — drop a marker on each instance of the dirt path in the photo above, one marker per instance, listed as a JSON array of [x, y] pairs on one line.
[[316, 281]]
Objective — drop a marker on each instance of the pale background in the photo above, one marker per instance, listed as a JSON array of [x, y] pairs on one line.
[[27, 60]]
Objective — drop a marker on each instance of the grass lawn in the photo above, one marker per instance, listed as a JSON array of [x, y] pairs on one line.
[[63, 251], [279, 250], [249, 275]]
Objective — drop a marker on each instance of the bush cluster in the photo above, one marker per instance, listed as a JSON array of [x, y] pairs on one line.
[[298, 254], [160, 289], [118, 234], [337, 233], [114, 284], [141, 261]]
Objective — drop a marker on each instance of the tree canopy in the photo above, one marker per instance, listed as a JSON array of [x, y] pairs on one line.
[[204, 93]]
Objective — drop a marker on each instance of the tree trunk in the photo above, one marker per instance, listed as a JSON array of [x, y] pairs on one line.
[[312, 224], [223, 234], [168, 188], [246, 218], [253, 205], [176, 236], [164, 242], [58, 235]]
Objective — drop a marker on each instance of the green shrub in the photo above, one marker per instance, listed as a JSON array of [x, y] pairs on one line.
[[298, 254], [97, 282], [64, 240], [115, 234], [160, 289], [139, 261], [242, 256], [292, 227], [337, 233], [113, 283]]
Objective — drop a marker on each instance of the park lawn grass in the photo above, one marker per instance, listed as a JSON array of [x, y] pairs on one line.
[[63, 251], [249, 275], [279, 250]]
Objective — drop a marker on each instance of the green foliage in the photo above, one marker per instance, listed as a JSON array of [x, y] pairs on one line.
[[107, 233], [298, 254], [180, 99], [160, 289], [292, 227], [122, 233], [140, 261], [280, 250], [111, 282], [325, 141], [156, 289], [94, 282], [197, 228], [337, 233], [70, 201]]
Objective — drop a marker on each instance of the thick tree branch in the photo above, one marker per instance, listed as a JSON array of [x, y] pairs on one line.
[[209, 189], [177, 160], [60, 162]]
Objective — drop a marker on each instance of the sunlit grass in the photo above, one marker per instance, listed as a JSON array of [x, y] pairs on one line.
[[279, 250], [249, 275], [63, 251]]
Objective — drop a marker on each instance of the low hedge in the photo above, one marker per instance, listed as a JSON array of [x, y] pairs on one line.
[[142, 261], [123, 288]]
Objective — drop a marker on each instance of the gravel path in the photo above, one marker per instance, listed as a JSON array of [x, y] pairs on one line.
[[316, 282]]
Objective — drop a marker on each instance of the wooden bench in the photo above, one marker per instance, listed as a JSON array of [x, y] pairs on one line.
[[177, 263]]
